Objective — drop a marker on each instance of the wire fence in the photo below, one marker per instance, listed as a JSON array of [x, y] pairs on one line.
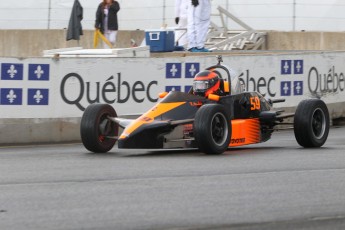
[[138, 14]]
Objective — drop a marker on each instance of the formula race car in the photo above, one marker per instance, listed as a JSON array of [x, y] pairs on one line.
[[216, 114]]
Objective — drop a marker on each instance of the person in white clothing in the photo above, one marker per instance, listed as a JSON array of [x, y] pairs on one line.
[[181, 19], [199, 19]]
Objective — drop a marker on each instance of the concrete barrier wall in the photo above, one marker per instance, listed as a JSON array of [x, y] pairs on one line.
[[39, 130], [42, 99], [305, 40], [67, 130], [31, 43]]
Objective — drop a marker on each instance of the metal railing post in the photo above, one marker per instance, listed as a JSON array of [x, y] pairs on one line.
[[294, 16], [227, 8], [49, 13], [164, 13]]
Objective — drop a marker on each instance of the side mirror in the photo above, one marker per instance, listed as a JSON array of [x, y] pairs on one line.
[[163, 95]]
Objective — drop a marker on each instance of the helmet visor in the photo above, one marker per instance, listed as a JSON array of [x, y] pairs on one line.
[[200, 86]]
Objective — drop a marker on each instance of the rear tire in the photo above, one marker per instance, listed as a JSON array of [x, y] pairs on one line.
[[95, 128], [212, 129], [311, 123]]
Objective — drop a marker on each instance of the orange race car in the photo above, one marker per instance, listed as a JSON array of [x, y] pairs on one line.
[[216, 114]]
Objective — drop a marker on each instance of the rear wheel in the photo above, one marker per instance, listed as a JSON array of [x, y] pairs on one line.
[[98, 133], [212, 129], [311, 124]]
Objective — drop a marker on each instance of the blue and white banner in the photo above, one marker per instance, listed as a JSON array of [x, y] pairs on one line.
[[286, 67], [298, 88], [23, 87], [11, 96], [298, 66], [192, 69], [173, 70], [38, 96], [12, 71], [44, 88], [285, 88], [39, 72]]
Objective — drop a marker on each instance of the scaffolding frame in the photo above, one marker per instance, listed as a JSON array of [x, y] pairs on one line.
[[221, 38]]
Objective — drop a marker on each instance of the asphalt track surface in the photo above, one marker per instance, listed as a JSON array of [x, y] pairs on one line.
[[275, 185]]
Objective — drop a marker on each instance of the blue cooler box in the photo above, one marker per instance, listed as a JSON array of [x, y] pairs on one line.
[[160, 40]]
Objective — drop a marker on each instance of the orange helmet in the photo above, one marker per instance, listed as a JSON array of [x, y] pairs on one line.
[[206, 83]]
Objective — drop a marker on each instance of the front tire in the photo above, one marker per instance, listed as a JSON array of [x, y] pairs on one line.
[[212, 129], [311, 123], [96, 129]]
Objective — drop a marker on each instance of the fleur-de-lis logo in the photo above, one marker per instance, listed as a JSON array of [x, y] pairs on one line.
[[12, 71], [38, 96], [11, 96], [173, 70], [192, 70], [39, 72]]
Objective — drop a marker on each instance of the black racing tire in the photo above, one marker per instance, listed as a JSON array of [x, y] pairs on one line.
[[95, 127], [311, 123], [212, 129]]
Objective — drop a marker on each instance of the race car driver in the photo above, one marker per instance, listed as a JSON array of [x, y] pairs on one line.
[[208, 82], [199, 19]]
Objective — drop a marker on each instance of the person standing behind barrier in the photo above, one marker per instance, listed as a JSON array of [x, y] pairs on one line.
[[106, 20], [199, 20], [181, 19]]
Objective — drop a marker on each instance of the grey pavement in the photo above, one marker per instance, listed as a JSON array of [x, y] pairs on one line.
[[274, 185]]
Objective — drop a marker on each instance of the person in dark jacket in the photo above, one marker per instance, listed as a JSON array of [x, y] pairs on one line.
[[106, 20]]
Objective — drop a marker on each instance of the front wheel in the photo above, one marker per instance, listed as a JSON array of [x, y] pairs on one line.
[[98, 133], [311, 123], [212, 129]]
